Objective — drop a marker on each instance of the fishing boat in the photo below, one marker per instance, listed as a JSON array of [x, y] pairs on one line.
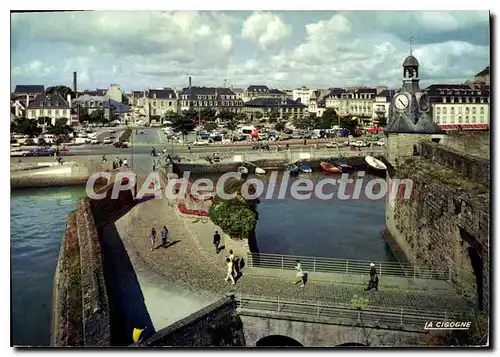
[[292, 168], [345, 167], [303, 167], [375, 163], [243, 170], [260, 171], [331, 168]]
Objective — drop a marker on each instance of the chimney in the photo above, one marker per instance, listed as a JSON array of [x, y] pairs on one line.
[[189, 92], [68, 98], [27, 100], [74, 83]]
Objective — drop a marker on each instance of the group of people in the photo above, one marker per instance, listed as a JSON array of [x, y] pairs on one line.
[[301, 277], [231, 262], [164, 237], [117, 162]]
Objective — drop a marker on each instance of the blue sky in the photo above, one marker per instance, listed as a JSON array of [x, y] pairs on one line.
[[284, 49]]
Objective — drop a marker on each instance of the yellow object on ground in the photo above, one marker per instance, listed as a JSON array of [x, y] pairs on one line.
[[136, 335]]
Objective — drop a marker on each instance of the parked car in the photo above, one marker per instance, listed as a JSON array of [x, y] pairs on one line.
[[19, 152], [95, 141], [14, 143], [107, 140], [201, 143], [111, 131], [120, 144], [381, 142], [42, 152], [332, 145]]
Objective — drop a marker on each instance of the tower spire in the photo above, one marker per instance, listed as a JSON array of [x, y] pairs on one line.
[[411, 45]]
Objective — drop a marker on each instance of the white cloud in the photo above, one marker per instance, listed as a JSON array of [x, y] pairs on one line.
[[265, 29], [156, 49]]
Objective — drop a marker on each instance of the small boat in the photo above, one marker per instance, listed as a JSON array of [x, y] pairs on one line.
[[328, 167], [242, 170], [260, 171], [345, 167], [303, 167], [376, 164], [292, 168]]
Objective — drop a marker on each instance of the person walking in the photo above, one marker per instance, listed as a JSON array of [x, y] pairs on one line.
[[300, 275], [154, 165], [153, 238], [216, 241], [125, 164], [189, 149], [373, 282], [120, 162], [230, 268], [233, 259], [164, 235]]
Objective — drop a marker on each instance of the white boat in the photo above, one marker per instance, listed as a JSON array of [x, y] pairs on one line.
[[242, 170], [376, 164], [260, 171]]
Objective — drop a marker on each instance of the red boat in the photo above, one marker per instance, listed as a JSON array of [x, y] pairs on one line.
[[327, 167]]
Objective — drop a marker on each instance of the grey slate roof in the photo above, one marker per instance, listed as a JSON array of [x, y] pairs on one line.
[[29, 89], [195, 91], [49, 101], [274, 102], [258, 88], [388, 93], [410, 61], [276, 91], [484, 72], [165, 93]]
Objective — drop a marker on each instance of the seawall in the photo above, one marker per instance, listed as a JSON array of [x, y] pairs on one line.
[[445, 221], [68, 174]]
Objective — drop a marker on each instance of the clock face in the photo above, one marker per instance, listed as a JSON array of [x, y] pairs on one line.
[[424, 102], [401, 102]]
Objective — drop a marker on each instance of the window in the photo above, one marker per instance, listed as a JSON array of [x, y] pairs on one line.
[[211, 103], [162, 103], [460, 110], [452, 110], [438, 118], [50, 111], [169, 104], [438, 110], [482, 119], [444, 99], [473, 110], [444, 110], [460, 99], [473, 119], [452, 99], [482, 110]]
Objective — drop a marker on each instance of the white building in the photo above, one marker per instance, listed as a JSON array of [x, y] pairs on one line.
[[51, 106], [460, 106], [115, 93], [355, 101], [302, 93], [381, 105]]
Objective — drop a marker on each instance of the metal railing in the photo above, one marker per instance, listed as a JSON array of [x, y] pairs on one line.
[[348, 266], [371, 315]]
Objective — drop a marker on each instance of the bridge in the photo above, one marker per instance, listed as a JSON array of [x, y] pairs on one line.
[[239, 320]]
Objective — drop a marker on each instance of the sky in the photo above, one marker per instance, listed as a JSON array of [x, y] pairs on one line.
[[281, 49]]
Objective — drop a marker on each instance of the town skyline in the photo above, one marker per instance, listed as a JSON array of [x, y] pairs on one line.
[[280, 49]]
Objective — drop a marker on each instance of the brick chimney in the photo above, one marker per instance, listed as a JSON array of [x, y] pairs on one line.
[[189, 92], [74, 83]]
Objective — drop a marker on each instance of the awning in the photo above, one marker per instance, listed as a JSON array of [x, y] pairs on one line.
[[449, 127], [465, 127], [475, 126]]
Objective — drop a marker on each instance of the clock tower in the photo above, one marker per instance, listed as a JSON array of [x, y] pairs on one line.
[[409, 118]]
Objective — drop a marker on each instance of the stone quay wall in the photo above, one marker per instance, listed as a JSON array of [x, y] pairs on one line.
[[446, 216], [476, 143], [80, 313], [217, 325]]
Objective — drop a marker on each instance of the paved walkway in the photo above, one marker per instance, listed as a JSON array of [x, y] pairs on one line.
[[191, 262]]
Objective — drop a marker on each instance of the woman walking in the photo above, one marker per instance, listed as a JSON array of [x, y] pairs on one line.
[[164, 234], [229, 265], [300, 275], [153, 238]]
